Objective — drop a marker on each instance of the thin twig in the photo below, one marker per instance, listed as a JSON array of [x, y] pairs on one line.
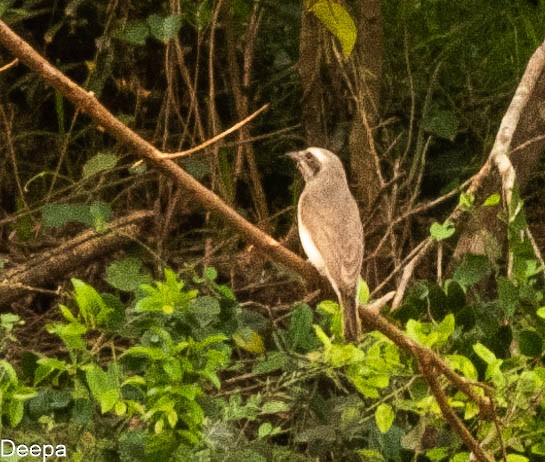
[[12, 155], [218, 137], [8, 65]]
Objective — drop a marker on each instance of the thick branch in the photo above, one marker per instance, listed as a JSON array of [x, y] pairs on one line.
[[48, 267], [451, 417], [86, 102], [373, 321], [430, 363]]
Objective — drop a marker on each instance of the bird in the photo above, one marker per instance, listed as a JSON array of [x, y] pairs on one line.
[[330, 229]]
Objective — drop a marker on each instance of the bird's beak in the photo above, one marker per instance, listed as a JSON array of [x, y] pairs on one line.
[[294, 155]]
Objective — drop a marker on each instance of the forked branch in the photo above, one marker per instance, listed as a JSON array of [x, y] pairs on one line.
[[498, 157]]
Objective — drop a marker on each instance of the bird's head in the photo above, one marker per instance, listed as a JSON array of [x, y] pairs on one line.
[[313, 161]]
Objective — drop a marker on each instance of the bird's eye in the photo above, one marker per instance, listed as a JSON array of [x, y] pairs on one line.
[[312, 163]]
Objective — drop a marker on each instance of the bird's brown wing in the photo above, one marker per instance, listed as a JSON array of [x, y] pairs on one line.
[[337, 233]]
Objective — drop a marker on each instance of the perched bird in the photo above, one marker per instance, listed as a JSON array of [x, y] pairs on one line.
[[330, 229]]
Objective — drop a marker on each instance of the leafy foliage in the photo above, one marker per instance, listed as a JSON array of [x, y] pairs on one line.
[[158, 381], [156, 366]]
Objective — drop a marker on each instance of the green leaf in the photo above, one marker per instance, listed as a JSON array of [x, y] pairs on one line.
[[15, 411], [125, 274], [153, 353], [134, 33], [332, 311], [438, 454], [24, 393], [338, 21], [492, 200], [9, 320], [249, 340], [516, 458], [206, 309], [60, 399], [71, 334], [322, 433], [46, 366], [98, 163], [60, 214], [92, 307], [164, 28], [472, 269], [196, 167], [101, 213], [226, 292], [104, 385], [445, 328], [427, 334], [541, 312], [363, 291], [203, 15], [274, 407], [464, 365], [322, 337], [210, 340], [247, 455], [165, 294], [484, 353], [82, 411], [90, 215], [173, 369], [210, 273], [384, 417], [371, 455], [466, 201], [442, 231], [539, 448], [300, 326], [444, 124], [530, 343], [199, 15], [342, 355], [270, 363], [264, 430], [508, 296], [132, 444], [461, 457]]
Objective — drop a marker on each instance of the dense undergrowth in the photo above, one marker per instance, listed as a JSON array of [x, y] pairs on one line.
[[179, 370]]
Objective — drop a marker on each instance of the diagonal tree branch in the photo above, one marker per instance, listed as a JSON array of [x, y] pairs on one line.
[[86, 102], [431, 364]]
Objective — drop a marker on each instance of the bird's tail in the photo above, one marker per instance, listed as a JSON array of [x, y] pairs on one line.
[[351, 318]]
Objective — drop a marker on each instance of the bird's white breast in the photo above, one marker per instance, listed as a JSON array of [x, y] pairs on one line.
[[312, 252]]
